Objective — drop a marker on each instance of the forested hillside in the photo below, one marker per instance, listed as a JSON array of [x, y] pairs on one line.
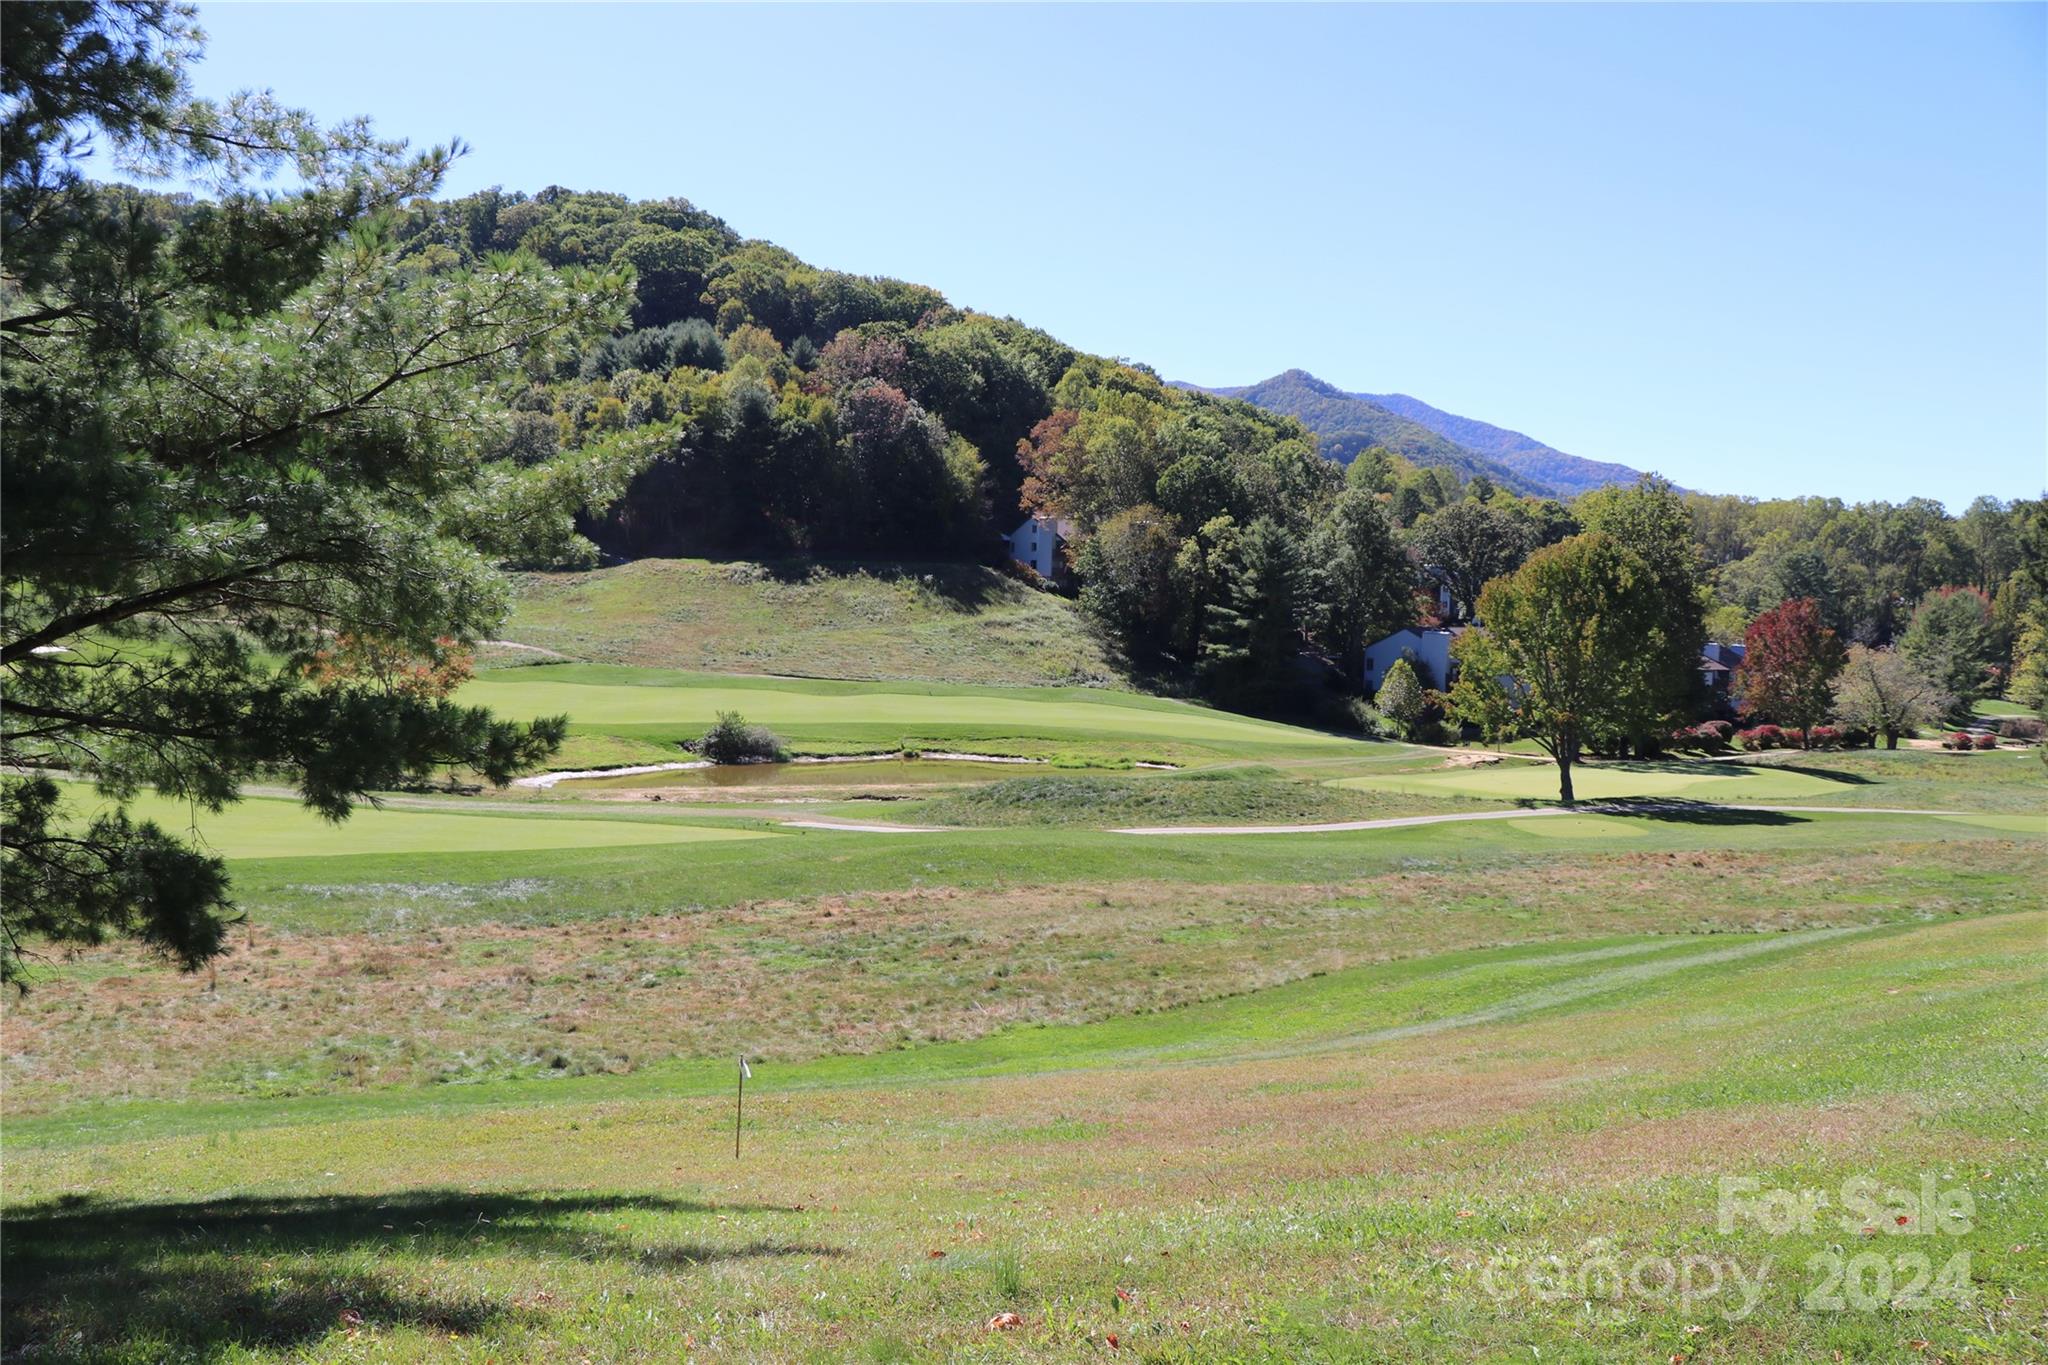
[[803, 410], [784, 409]]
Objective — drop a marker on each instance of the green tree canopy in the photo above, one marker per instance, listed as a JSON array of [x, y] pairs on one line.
[[1362, 585], [1469, 544], [1560, 657], [1951, 635], [1650, 520], [1401, 698], [233, 435], [1254, 632], [1127, 574]]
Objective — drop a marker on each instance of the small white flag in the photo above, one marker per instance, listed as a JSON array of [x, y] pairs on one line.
[[746, 1072]]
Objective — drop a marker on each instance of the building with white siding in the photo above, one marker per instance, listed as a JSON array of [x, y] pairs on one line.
[[1037, 543]]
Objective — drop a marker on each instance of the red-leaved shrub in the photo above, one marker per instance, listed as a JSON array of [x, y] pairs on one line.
[[1987, 740], [1823, 737], [1761, 737]]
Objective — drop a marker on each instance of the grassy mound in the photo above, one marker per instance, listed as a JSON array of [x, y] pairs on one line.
[[940, 622], [1230, 796]]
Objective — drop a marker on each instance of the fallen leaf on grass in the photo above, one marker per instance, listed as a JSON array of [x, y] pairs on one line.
[[1005, 1322]]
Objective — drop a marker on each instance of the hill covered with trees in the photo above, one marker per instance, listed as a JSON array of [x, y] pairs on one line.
[[799, 410], [777, 409], [784, 409]]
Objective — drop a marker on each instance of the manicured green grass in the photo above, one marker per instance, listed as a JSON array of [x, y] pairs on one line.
[[1697, 781], [2008, 780], [590, 883], [881, 773], [460, 1090], [267, 827], [841, 717], [947, 622], [1990, 707]]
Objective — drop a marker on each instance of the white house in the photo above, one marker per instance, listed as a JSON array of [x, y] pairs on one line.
[[1037, 543], [1428, 651]]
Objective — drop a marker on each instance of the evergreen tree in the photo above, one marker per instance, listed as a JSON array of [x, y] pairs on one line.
[[233, 436], [1363, 585], [1254, 633]]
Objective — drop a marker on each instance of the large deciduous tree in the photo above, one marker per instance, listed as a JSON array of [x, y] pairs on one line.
[[1888, 693], [1127, 570], [1789, 662], [237, 429], [1559, 659], [1467, 545], [1650, 519]]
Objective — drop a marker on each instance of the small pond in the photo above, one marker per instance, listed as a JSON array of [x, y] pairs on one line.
[[877, 772]]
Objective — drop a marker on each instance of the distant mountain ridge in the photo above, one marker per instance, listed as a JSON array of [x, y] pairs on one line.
[[1346, 423], [1569, 475]]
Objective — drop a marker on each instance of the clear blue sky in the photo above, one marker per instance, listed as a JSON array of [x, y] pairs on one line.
[[1763, 249]]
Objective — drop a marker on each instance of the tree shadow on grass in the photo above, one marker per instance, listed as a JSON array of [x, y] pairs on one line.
[[85, 1277], [1828, 774], [1682, 811], [1734, 767]]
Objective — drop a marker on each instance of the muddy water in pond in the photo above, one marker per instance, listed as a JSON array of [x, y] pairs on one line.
[[881, 772]]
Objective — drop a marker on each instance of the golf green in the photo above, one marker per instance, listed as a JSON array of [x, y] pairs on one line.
[[690, 703]]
